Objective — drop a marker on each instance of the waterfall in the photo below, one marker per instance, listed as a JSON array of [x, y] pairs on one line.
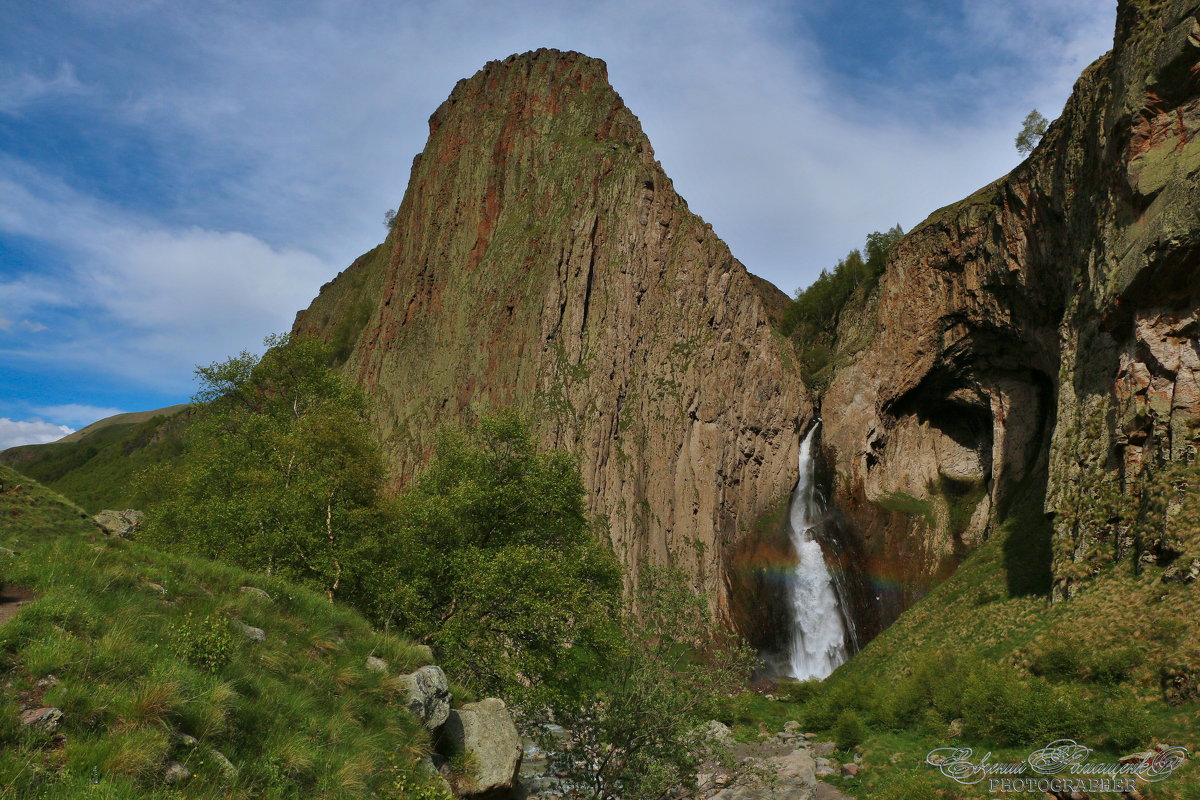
[[818, 630]]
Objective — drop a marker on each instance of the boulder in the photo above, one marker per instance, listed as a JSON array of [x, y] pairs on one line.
[[485, 733], [119, 523], [428, 695], [185, 739], [250, 632], [228, 771], [45, 719], [376, 664], [256, 592], [792, 776], [176, 773], [718, 732], [823, 749], [850, 770]]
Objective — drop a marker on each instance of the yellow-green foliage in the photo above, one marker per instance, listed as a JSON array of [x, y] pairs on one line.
[[138, 648]]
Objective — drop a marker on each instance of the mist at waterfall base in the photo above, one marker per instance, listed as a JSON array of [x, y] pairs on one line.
[[819, 640]]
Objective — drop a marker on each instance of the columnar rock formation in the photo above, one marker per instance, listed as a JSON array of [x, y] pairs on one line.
[[541, 258], [1036, 343], [1030, 353]]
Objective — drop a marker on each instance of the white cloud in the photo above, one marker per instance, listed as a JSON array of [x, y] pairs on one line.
[[76, 414], [16, 432], [23, 89], [148, 302], [303, 124], [327, 107]]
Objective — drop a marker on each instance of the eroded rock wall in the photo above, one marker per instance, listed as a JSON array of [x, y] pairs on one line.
[[541, 258], [1036, 342]]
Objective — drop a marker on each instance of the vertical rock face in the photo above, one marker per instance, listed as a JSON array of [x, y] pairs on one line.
[[1036, 343], [541, 258]]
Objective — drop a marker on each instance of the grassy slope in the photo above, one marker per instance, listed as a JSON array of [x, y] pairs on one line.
[[128, 418], [983, 610], [98, 470], [143, 647]]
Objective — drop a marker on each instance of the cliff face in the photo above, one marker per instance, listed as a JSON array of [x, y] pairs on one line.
[[1036, 343], [541, 258]]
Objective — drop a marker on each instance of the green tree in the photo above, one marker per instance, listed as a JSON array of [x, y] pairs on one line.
[[279, 471], [1032, 130], [499, 567], [638, 727]]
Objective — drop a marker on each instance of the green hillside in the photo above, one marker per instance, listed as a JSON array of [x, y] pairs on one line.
[[145, 655], [98, 469]]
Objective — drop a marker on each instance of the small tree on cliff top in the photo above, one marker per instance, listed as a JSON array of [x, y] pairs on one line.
[[1032, 130]]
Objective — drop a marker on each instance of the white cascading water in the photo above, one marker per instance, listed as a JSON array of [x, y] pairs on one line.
[[818, 631]]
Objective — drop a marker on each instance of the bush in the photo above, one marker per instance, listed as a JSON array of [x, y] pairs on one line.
[[1058, 661], [849, 730], [205, 643], [822, 712], [790, 690], [638, 729], [1120, 720], [1111, 667]]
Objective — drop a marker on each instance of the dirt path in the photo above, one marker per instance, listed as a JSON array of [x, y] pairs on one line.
[[11, 600]]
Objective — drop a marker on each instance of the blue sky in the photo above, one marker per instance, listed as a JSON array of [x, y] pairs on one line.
[[178, 179]]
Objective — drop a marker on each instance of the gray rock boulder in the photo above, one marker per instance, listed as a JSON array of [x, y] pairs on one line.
[[428, 695], [250, 632], [823, 749], [119, 523], [256, 592], [376, 664], [787, 777], [485, 732], [228, 771], [44, 719], [176, 773], [718, 732]]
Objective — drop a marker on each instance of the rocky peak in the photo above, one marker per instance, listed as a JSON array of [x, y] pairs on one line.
[[541, 258]]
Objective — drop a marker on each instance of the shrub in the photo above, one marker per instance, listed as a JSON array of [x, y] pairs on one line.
[[1058, 661], [1111, 667], [790, 690], [1120, 720], [205, 643], [849, 730]]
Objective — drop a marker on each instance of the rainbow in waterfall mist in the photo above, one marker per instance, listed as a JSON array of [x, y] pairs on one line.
[[818, 628]]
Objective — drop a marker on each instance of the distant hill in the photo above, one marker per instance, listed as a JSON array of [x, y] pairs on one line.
[[128, 418], [95, 466]]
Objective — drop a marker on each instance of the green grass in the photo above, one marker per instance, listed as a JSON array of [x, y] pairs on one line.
[[141, 650], [986, 652]]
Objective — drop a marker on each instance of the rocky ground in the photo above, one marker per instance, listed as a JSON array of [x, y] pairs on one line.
[[788, 766]]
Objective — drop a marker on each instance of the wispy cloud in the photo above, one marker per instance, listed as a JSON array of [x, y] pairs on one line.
[[16, 432], [19, 90], [75, 414], [147, 302], [229, 158]]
